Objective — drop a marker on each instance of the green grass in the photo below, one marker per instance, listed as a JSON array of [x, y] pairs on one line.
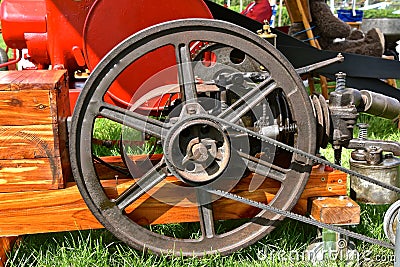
[[283, 247]]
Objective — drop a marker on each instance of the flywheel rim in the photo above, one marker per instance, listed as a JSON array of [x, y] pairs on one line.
[[90, 105]]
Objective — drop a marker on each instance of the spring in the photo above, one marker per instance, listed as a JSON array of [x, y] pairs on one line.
[[340, 81], [291, 128], [363, 130]]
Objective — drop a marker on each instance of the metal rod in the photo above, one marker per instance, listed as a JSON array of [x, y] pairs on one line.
[[309, 68]]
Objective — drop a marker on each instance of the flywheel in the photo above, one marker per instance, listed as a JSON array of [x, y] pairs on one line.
[[223, 75]]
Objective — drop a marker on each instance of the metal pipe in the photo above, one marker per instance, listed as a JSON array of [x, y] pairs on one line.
[[380, 105]]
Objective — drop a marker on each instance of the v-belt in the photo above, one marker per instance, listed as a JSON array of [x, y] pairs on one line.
[[292, 215]]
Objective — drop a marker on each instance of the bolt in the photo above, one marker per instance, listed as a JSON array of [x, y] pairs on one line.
[[191, 110], [200, 152]]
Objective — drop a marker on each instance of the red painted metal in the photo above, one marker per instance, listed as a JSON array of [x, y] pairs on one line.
[[136, 15], [76, 34], [19, 17]]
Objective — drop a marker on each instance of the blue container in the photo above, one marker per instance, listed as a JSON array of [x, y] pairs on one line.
[[347, 15]]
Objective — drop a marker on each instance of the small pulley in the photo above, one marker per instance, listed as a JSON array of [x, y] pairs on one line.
[[322, 116]]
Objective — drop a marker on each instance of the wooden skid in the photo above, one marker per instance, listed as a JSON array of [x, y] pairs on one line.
[[340, 210], [64, 209], [34, 106]]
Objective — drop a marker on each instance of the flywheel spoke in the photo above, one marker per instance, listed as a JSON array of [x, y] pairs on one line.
[[205, 213], [264, 168], [132, 119], [185, 72], [234, 112], [143, 185]]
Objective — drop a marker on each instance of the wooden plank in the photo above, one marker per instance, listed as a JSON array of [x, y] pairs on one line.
[[30, 174], [45, 211], [63, 111], [28, 141], [31, 107], [36, 97], [44, 80], [32, 80], [340, 210], [7, 78], [65, 210], [105, 172], [11, 79], [322, 183]]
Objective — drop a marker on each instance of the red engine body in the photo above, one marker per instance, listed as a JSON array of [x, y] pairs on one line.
[[76, 34]]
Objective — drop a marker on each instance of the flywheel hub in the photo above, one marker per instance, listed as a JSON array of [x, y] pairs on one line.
[[198, 151]]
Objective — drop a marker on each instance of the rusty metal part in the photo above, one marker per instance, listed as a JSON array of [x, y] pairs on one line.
[[327, 120], [207, 152], [292, 172]]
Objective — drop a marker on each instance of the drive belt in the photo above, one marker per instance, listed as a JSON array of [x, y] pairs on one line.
[[292, 215]]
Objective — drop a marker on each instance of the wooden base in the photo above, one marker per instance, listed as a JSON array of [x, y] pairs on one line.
[[64, 209]]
